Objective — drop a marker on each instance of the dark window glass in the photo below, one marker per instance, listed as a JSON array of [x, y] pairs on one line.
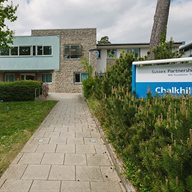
[[39, 50], [77, 78], [4, 51], [47, 78], [135, 51], [47, 50], [10, 77], [25, 50], [72, 51], [14, 51]]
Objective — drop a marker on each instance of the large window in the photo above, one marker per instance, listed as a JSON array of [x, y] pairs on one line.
[[9, 77], [79, 77], [44, 50], [14, 51], [4, 51], [72, 51], [25, 50], [47, 77], [135, 51]]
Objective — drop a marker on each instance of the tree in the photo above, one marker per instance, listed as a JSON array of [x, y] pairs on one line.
[[104, 41], [7, 13], [160, 24]]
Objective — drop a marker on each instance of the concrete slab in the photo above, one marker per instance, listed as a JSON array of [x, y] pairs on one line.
[[75, 186], [98, 160], [13, 185], [63, 148], [37, 172], [46, 148], [105, 187], [88, 173], [45, 186], [61, 172], [53, 159], [31, 158], [85, 149], [75, 159]]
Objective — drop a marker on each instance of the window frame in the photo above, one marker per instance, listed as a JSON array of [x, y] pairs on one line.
[[7, 75], [80, 77], [46, 78], [70, 52]]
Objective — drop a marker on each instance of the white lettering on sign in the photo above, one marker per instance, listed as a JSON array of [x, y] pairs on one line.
[[174, 90]]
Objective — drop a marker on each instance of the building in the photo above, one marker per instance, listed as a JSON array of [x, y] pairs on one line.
[[53, 56], [107, 54], [186, 50]]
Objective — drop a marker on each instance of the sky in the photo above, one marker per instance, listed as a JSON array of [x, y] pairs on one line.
[[123, 21]]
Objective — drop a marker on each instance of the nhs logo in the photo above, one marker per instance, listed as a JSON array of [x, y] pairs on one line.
[[160, 77]]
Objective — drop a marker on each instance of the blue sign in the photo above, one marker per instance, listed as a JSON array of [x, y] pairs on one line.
[[161, 79]]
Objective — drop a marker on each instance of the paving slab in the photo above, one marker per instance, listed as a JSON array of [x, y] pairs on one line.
[[65, 154], [45, 186]]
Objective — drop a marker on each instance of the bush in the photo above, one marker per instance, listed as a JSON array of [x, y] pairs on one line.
[[19, 90]]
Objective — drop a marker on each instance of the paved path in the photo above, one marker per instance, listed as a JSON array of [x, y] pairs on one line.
[[66, 154]]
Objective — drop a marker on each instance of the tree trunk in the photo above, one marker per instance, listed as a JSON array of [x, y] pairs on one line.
[[159, 25]]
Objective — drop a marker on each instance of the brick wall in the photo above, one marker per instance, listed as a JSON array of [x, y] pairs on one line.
[[63, 80]]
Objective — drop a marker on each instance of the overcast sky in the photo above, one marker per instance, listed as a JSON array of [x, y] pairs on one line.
[[123, 21]]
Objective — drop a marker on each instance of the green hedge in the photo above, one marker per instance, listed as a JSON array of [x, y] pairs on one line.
[[19, 90]]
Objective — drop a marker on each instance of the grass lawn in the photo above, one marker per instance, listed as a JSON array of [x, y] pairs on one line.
[[18, 121]]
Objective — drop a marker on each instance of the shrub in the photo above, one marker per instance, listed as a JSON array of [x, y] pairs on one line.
[[19, 90]]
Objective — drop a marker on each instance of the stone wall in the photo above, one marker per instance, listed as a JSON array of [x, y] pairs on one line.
[[63, 80]]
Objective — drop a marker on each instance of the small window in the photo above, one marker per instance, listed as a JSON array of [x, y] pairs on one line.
[[4, 51], [72, 51], [47, 50], [39, 50], [25, 50], [79, 77], [47, 78], [112, 53], [9, 77], [14, 51]]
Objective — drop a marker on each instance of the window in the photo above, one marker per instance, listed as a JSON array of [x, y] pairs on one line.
[[4, 51], [44, 50], [72, 51], [135, 51], [39, 50], [47, 78], [14, 51], [112, 53], [10, 77], [25, 50], [79, 77], [47, 50]]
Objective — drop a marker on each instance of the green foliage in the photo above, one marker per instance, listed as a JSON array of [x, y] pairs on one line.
[[153, 136], [7, 13], [18, 121], [165, 50], [19, 90], [104, 41]]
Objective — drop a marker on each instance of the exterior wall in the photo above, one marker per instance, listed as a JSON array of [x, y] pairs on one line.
[[64, 78], [49, 62], [187, 53], [103, 63]]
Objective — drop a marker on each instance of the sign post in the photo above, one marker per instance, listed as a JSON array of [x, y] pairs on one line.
[[160, 77]]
